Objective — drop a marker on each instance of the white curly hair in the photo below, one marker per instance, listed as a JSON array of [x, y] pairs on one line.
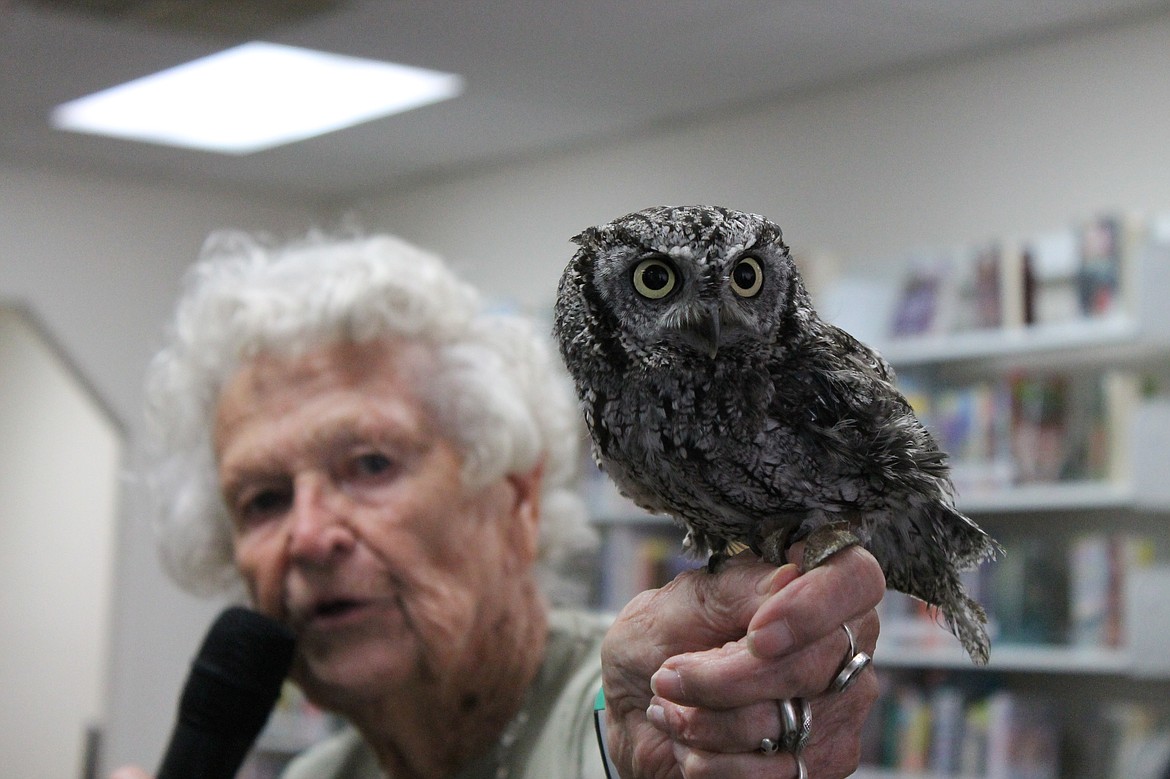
[[498, 393]]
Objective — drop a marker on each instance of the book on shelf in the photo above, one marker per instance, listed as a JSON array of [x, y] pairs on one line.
[[1122, 739], [922, 307], [976, 725], [1023, 737], [912, 729], [930, 725], [1031, 428], [1110, 245], [947, 714], [1100, 565], [1050, 278], [971, 424], [1027, 598], [1076, 592], [638, 559], [1072, 427], [951, 291], [1094, 619], [981, 297], [1083, 271], [1087, 271], [1148, 619], [1136, 740], [1015, 286], [954, 729], [1039, 427]]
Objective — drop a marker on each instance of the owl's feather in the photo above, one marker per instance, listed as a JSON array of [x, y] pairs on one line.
[[714, 393]]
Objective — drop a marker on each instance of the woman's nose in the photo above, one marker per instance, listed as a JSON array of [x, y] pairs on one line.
[[319, 530]]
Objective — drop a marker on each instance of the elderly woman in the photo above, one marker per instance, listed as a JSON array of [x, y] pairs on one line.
[[387, 467]]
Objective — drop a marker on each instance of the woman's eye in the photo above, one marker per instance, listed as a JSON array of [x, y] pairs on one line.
[[263, 504], [372, 464], [364, 476]]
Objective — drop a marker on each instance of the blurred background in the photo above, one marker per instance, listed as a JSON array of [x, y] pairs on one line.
[[981, 189]]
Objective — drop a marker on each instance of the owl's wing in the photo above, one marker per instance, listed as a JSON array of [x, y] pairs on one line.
[[844, 352], [858, 417]]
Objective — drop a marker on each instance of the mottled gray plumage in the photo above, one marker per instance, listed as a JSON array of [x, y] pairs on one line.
[[714, 393]]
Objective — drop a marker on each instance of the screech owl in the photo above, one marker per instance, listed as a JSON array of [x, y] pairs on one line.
[[714, 393]]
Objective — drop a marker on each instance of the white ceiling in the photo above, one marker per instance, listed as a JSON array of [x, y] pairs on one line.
[[541, 74]]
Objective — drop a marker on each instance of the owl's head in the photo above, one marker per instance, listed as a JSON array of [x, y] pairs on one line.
[[693, 279]]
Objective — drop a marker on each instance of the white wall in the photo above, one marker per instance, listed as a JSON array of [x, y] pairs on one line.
[[999, 146], [1002, 145], [58, 485], [99, 262]]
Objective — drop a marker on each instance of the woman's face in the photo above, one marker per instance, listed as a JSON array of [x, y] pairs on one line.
[[352, 524]]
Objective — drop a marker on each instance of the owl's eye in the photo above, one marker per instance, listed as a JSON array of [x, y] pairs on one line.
[[654, 278], [747, 277]]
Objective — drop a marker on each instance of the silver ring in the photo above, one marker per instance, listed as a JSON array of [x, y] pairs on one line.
[[795, 726], [801, 768], [789, 724], [769, 746], [851, 671], [805, 726], [852, 642]]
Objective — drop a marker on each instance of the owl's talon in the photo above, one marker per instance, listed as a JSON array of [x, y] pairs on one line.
[[826, 541], [775, 545]]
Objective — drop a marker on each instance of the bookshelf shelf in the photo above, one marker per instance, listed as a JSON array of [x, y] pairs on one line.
[[866, 772], [1056, 497], [1137, 328], [1107, 341], [633, 519], [1009, 658]]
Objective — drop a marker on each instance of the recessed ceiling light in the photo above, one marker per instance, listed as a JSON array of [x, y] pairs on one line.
[[254, 97]]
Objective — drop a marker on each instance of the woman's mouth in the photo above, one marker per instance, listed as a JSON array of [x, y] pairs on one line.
[[334, 613], [334, 608]]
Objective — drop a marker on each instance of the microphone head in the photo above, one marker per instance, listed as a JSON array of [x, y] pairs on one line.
[[237, 675]]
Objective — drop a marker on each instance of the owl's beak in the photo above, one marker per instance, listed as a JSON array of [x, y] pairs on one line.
[[703, 331]]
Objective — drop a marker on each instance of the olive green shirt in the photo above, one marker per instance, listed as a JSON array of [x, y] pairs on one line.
[[554, 735]]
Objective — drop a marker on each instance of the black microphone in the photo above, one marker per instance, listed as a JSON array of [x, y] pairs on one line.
[[233, 684]]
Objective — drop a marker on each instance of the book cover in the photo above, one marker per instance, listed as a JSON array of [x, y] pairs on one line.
[[979, 288], [1091, 575], [1053, 267], [1014, 286], [929, 300], [1023, 740], [1039, 427], [947, 707], [973, 746], [1103, 249], [1029, 592]]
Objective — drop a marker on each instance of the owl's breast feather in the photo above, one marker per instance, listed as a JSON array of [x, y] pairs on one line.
[[679, 415]]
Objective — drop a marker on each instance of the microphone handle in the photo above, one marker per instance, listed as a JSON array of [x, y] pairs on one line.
[[194, 753]]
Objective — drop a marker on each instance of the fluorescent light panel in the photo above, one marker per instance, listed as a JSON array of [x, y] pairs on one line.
[[254, 97]]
